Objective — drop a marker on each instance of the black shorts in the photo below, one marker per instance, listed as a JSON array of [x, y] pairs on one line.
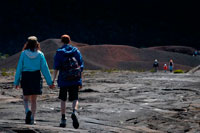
[[72, 93], [31, 83]]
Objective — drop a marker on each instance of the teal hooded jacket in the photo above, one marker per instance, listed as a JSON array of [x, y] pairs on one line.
[[32, 61]]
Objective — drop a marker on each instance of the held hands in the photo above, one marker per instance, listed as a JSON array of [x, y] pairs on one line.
[[17, 87], [52, 86], [80, 87]]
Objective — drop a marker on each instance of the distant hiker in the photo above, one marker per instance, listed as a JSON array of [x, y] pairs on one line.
[[165, 67], [171, 65], [68, 61], [156, 65], [195, 53], [30, 63]]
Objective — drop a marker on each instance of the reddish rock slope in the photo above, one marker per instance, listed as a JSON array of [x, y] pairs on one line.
[[113, 57]]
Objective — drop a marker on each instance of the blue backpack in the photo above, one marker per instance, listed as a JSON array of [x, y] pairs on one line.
[[70, 69]]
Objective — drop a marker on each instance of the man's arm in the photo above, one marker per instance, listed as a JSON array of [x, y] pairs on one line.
[[79, 58], [55, 73]]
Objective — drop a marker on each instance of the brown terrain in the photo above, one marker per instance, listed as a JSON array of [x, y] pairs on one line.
[[112, 100], [117, 56], [177, 49]]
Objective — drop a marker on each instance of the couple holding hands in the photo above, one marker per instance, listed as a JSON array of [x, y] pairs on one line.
[[67, 61]]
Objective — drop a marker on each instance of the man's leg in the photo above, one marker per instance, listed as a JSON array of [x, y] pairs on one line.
[[75, 105], [63, 107], [63, 98], [63, 110], [74, 115], [73, 96]]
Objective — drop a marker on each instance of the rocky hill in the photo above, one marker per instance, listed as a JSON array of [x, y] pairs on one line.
[[177, 49], [113, 57], [139, 23]]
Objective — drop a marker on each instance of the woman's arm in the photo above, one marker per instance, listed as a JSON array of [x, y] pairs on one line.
[[19, 70], [45, 70]]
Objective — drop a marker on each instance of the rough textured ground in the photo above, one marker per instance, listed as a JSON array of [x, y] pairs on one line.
[[116, 102]]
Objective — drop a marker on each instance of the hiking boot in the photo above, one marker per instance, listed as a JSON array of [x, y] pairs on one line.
[[74, 117], [28, 117], [63, 123]]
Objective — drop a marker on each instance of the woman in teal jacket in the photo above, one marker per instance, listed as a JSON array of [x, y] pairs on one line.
[[31, 62]]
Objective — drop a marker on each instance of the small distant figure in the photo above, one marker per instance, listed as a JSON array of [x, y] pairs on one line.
[[171, 64], [195, 53], [165, 67], [156, 65]]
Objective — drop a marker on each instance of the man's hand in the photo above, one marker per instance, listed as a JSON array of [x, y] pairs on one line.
[[52, 86], [80, 87]]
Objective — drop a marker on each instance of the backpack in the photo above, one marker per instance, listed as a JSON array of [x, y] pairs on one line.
[[155, 64], [70, 69]]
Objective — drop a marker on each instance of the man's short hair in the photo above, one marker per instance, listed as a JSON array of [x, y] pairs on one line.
[[65, 39]]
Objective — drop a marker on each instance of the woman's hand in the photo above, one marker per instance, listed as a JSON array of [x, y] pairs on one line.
[[17, 87], [52, 86]]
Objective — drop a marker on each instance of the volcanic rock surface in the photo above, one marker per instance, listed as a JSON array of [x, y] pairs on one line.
[[112, 101]]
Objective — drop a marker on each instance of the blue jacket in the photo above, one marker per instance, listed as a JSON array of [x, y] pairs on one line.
[[58, 60], [32, 61]]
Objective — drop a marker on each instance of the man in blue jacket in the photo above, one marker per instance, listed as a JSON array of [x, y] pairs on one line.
[[68, 61]]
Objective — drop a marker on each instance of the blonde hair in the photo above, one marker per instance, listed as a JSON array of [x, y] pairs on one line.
[[32, 44]]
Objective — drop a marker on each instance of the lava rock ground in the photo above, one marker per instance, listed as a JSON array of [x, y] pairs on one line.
[[112, 101]]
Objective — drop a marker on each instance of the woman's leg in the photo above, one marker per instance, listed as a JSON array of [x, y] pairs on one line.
[[26, 100], [33, 104], [28, 112]]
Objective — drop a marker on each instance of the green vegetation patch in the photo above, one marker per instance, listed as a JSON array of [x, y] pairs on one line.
[[152, 70], [5, 72], [4, 56], [110, 70], [179, 71]]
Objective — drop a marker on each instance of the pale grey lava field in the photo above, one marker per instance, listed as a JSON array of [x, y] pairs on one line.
[[116, 102]]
